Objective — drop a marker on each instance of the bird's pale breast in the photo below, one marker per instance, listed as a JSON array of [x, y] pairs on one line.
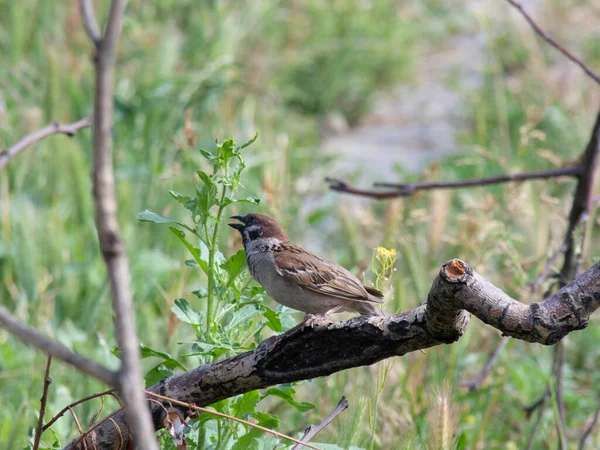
[[263, 269]]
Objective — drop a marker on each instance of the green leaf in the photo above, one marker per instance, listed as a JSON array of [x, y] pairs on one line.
[[266, 420], [147, 352], [246, 403], [273, 321], [208, 155], [323, 446], [225, 151], [229, 200], [253, 200], [196, 252], [234, 266], [207, 196], [214, 350], [286, 316], [160, 371], [251, 141], [191, 264], [189, 203], [248, 442], [242, 316], [201, 292], [185, 313], [286, 393], [149, 216]]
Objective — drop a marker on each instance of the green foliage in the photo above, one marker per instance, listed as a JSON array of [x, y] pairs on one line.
[[216, 67], [233, 317]]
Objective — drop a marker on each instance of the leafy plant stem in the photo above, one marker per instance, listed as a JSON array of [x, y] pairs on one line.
[[211, 262]]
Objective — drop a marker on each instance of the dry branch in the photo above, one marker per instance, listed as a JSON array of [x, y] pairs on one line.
[[90, 23], [129, 377], [325, 349], [53, 348], [54, 128], [593, 75], [313, 430], [408, 189], [40, 425]]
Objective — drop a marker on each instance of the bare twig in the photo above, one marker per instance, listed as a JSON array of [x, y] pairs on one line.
[[54, 128], [129, 376], [71, 405], [590, 428], [545, 273], [76, 420], [474, 383], [90, 23], [408, 189], [335, 184], [559, 356], [529, 410], [39, 428], [593, 75], [52, 348], [312, 430], [82, 439], [235, 419], [535, 426]]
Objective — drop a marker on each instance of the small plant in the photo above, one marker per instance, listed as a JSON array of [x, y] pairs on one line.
[[233, 317]]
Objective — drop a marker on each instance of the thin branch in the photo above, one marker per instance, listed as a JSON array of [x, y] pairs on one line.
[[529, 410], [52, 348], [593, 75], [545, 273], [90, 23], [227, 416], [76, 420], [71, 405], [534, 428], [474, 383], [408, 189], [114, 253], [39, 428], [540, 402], [456, 293], [590, 428], [82, 439], [559, 356], [336, 184], [54, 128], [312, 430]]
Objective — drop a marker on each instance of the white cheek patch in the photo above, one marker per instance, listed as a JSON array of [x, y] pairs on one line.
[[261, 245]]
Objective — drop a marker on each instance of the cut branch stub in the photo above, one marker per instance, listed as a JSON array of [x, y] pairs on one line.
[[445, 321]]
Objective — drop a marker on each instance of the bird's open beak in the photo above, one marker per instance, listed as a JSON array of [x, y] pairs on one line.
[[237, 226]]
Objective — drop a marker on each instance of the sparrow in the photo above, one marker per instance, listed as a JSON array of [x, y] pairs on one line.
[[297, 278]]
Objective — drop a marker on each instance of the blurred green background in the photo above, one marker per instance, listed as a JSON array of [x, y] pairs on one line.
[[192, 71]]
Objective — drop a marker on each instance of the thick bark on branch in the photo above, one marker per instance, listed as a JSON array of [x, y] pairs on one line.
[[325, 349]]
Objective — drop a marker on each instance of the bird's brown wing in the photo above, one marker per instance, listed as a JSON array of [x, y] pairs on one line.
[[314, 273]]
